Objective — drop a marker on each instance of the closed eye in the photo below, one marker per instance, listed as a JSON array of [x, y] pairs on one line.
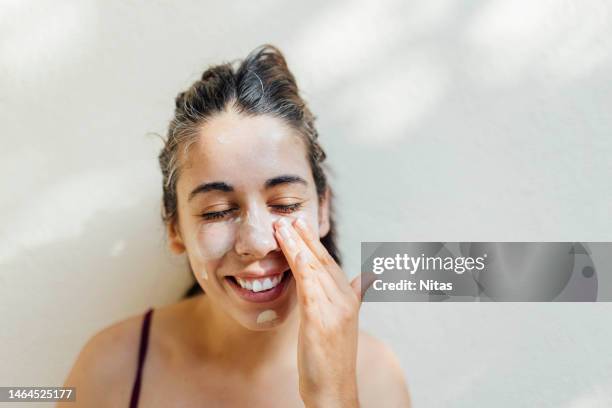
[[287, 208], [282, 208], [217, 214]]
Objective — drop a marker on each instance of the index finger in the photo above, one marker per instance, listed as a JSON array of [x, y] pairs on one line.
[[302, 264], [291, 248], [322, 254]]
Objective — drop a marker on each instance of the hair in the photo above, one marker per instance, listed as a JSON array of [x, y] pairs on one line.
[[262, 84]]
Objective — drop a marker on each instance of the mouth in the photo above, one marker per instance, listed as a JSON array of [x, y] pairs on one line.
[[263, 289]]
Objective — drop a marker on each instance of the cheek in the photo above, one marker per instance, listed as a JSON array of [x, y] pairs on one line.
[[215, 239], [310, 216], [212, 242]]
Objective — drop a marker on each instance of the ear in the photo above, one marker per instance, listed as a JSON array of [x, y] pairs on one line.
[[324, 205], [175, 241]]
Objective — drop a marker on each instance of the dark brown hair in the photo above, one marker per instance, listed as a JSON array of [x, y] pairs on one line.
[[261, 84]]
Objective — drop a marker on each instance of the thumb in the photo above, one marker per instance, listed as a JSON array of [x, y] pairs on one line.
[[362, 282]]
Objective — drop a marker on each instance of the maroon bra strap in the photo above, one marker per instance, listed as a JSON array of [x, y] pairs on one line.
[[142, 353]]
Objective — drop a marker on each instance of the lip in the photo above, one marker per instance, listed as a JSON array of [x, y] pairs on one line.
[[266, 296], [259, 275]]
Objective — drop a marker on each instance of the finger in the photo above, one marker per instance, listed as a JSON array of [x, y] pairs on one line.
[[362, 282], [330, 287], [322, 254], [287, 243], [310, 267], [327, 283], [313, 242], [302, 266], [290, 242], [313, 283]]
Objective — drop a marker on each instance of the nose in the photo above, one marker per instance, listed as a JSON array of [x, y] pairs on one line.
[[255, 238]]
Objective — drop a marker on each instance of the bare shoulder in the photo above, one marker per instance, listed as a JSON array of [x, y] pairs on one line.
[[380, 377], [105, 367]]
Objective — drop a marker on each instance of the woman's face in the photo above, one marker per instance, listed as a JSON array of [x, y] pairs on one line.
[[241, 175]]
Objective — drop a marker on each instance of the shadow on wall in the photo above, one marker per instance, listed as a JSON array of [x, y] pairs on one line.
[[117, 263]]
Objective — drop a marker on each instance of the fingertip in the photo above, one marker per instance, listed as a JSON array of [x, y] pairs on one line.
[[301, 226], [299, 223]]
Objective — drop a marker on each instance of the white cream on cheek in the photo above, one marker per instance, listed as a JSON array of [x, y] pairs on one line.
[[214, 240]]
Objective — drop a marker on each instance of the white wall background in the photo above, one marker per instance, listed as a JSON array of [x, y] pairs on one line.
[[443, 120]]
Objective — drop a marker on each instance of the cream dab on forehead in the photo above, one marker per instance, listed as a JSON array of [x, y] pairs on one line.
[[229, 132], [222, 139]]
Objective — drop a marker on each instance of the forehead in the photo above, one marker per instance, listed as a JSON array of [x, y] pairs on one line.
[[244, 151]]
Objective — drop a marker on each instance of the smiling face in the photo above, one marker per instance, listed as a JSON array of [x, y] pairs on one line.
[[242, 174]]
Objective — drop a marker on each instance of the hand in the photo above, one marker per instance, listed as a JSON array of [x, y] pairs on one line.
[[329, 310]]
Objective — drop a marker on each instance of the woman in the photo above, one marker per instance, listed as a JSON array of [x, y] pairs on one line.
[[246, 198]]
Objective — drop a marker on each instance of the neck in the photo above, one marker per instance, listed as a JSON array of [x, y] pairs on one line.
[[221, 337]]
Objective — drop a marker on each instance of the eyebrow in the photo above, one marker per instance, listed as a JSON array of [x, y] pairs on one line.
[[284, 179], [227, 188]]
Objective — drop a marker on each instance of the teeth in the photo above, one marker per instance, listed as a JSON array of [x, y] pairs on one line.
[[257, 285]]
